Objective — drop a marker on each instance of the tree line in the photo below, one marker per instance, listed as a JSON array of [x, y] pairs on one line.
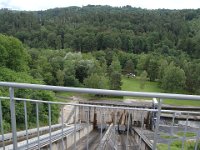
[[176, 71], [105, 68], [94, 46], [14, 67], [91, 28]]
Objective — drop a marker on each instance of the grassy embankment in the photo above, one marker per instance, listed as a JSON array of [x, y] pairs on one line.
[[131, 84], [177, 145]]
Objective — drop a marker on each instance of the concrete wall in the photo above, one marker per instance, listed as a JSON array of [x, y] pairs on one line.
[[141, 141], [69, 139], [96, 115], [108, 115], [68, 114]]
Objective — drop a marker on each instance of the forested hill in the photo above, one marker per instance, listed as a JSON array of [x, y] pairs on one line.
[[162, 46], [91, 28]]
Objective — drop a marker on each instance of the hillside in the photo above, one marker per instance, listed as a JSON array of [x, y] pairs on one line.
[[96, 47], [92, 28]]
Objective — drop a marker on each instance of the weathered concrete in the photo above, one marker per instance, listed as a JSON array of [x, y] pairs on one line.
[[141, 139], [107, 116], [21, 135], [68, 114], [68, 140], [105, 140], [181, 117]]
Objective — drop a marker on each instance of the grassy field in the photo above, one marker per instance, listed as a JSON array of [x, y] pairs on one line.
[[129, 84], [177, 145], [177, 135], [67, 96], [133, 84]]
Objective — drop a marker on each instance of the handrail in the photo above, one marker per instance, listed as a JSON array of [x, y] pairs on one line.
[[101, 106], [101, 91], [156, 112]]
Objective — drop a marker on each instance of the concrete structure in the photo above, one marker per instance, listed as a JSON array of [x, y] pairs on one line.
[[118, 127]]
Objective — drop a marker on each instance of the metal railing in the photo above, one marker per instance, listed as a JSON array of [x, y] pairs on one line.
[[79, 123]]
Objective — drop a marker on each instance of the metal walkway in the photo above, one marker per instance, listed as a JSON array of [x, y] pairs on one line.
[[117, 127]]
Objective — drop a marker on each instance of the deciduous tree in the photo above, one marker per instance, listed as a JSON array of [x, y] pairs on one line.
[[174, 78]]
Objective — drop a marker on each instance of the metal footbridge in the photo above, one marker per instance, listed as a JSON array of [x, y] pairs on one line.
[[98, 126]]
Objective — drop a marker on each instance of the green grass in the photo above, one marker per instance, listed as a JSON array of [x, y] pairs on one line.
[[177, 135], [133, 84], [66, 96], [167, 136], [188, 134], [177, 145], [182, 102], [129, 84]]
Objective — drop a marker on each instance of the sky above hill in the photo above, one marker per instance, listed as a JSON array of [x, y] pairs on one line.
[[149, 4]]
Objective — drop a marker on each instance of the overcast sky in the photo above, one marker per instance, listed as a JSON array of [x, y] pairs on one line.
[[46, 4]]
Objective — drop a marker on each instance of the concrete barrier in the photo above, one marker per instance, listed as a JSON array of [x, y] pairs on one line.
[[68, 140], [141, 139]]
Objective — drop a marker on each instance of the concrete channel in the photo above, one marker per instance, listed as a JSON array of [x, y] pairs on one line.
[[100, 129]]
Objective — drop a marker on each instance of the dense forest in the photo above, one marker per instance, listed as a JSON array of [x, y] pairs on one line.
[[92, 28], [93, 46]]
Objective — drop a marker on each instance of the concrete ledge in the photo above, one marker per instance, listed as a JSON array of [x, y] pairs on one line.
[[105, 138], [145, 144]]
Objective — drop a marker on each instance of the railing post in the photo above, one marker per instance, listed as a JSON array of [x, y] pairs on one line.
[[171, 131], [13, 117], [50, 142], [1, 124], [185, 130], [127, 135], [75, 127], [157, 124], [115, 123], [101, 126], [142, 125], [87, 126], [62, 120], [26, 122], [38, 125], [197, 139]]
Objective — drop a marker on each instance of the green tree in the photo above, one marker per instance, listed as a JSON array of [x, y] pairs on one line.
[[143, 79], [60, 75], [142, 63], [162, 67], [152, 69], [149, 62], [114, 73], [192, 72], [52, 41], [9, 75], [81, 71], [115, 66], [115, 81], [12, 54], [129, 67], [70, 80], [173, 79], [96, 81]]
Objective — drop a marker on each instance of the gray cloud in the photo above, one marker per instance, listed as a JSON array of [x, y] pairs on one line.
[[8, 4], [4, 3]]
